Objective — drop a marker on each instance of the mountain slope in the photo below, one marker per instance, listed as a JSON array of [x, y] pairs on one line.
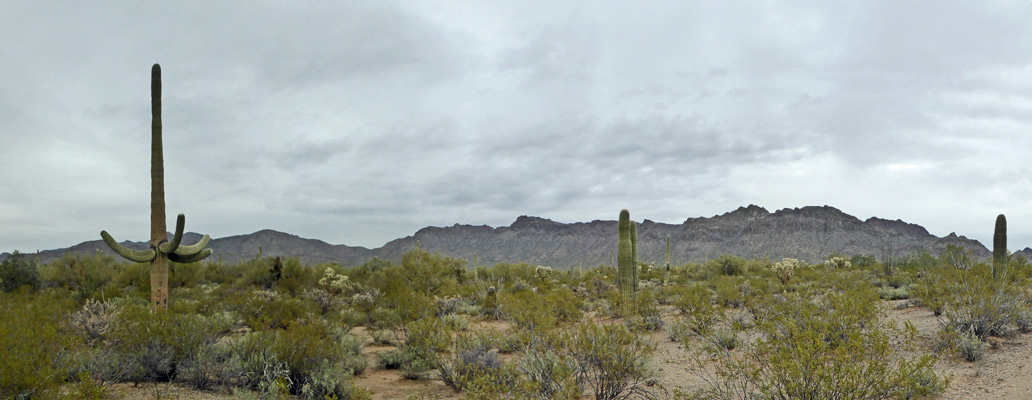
[[807, 233]]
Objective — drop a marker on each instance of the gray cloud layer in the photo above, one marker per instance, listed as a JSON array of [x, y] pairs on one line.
[[359, 122]]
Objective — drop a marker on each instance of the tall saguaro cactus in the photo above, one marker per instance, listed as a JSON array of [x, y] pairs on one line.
[[625, 256], [161, 250], [1000, 245]]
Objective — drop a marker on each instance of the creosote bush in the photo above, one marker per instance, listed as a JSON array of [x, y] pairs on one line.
[[818, 349]]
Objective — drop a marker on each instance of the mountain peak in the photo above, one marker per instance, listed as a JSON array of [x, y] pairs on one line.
[[529, 222]]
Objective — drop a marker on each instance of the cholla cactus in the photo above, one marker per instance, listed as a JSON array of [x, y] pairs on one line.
[[335, 283], [543, 272], [161, 250], [785, 268], [837, 262]]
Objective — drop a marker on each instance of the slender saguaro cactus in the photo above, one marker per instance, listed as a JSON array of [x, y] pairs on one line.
[[634, 253], [1000, 245], [625, 256], [161, 250], [668, 253]]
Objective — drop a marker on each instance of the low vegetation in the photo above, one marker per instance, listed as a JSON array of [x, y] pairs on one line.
[[270, 329]]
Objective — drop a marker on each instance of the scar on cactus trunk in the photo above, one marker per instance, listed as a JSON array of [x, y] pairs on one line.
[[161, 250]]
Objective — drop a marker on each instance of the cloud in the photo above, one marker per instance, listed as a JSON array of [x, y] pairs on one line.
[[361, 122]]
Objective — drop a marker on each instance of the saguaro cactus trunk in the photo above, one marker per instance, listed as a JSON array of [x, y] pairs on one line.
[[625, 257], [161, 250], [634, 254], [1000, 256]]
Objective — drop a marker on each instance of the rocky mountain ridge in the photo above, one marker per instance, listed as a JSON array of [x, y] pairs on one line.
[[807, 233]]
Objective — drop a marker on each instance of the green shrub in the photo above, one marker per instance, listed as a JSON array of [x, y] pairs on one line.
[[156, 344], [981, 304], [305, 351], [971, 347], [84, 275], [470, 358], [819, 349], [18, 270], [727, 265], [696, 309], [33, 345], [612, 362]]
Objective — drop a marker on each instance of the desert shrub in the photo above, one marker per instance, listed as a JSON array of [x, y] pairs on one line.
[[514, 341], [980, 304], [680, 331], [455, 322], [729, 290], [33, 344], [156, 344], [134, 277], [971, 347], [470, 358], [265, 309], [727, 265], [327, 301], [384, 318], [527, 310], [612, 362], [427, 337], [330, 381], [385, 336], [889, 293], [18, 270], [211, 365], [726, 339], [394, 359], [818, 349], [1023, 320], [84, 275], [304, 350], [416, 368], [646, 316], [696, 309], [549, 374]]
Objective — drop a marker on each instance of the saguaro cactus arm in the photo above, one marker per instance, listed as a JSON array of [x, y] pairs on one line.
[[127, 253], [193, 249], [169, 247], [182, 259]]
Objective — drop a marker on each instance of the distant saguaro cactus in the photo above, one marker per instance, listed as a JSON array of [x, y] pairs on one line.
[[634, 252], [1000, 255], [161, 250], [625, 256]]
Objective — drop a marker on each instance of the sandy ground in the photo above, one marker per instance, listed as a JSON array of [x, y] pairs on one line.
[[1003, 373]]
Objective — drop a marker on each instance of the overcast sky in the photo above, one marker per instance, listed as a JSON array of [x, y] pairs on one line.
[[358, 122]]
